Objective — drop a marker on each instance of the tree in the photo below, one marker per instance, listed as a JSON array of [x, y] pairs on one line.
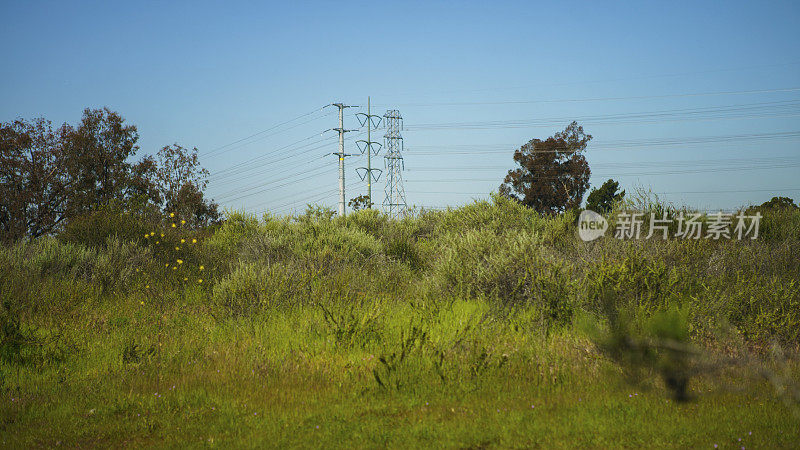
[[96, 161], [49, 177], [360, 202], [779, 202], [180, 181], [602, 199], [553, 174], [33, 184]]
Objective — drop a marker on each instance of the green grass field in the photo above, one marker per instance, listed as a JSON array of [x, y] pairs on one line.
[[481, 327]]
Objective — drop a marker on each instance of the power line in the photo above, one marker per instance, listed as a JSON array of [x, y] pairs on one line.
[[240, 174], [584, 82], [295, 197], [764, 109], [672, 172], [307, 200], [217, 149], [273, 187], [258, 185], [606, 99], [224, 172], [628, 164], [242, 190], [613, 144], [231, 171]]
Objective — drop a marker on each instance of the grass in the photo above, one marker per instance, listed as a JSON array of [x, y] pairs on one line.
[[481, 327]]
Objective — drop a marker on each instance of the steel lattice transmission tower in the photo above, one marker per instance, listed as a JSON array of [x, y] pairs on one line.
[[395, 200]]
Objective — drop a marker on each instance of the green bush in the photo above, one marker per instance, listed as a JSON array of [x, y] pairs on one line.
[[763, 310], [110, 266], [778, 224], [310, 243], [251, 288], [96, 228], [634, 281], [229, 237]]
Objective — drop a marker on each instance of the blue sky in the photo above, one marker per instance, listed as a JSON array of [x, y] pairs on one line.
[[698, 101]]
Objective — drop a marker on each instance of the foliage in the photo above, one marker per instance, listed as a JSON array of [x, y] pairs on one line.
[[33, 189], [360, 202], [553, 174], [779, 202], [181, 181], [94, 228], [390, 332], [603, 199], [49, 177]]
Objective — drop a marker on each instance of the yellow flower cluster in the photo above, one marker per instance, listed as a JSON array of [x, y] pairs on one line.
[[179, 262]]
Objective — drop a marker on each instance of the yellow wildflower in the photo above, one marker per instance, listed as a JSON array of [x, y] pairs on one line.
[[180, 261], [162, 235], [202, 267], [183, 240], [177, 248], [141, 302], [194, 241], [158, 242], [200, 280], [185, 278], [146, 235], [174, 267], [172, 214], [152, 233], [183, 222], [173, 225], [166, 265]]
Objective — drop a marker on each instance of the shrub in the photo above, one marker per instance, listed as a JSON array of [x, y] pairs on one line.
[[252, 287], [309, 244], [635, 281], [778, 224], [94, 229], [500, 215], [108, 267], [765, 309], [228, 238]]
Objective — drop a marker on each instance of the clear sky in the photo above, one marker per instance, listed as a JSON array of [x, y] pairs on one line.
[[698, 101]]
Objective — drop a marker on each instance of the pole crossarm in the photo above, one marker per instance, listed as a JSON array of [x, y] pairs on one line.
[[341, 154]]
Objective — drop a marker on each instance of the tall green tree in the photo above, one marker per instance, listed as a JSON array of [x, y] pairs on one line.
[[181, 182], [97, 164], [553, 174], [51, 176], [779, 202], [602, 199], [34, 187]]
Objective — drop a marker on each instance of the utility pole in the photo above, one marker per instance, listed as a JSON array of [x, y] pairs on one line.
[[367, 146], [395, 200], [341, 155]]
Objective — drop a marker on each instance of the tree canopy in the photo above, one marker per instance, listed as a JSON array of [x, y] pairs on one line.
[[779, 202], [602, 199], [553, 174], [49, 176]]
